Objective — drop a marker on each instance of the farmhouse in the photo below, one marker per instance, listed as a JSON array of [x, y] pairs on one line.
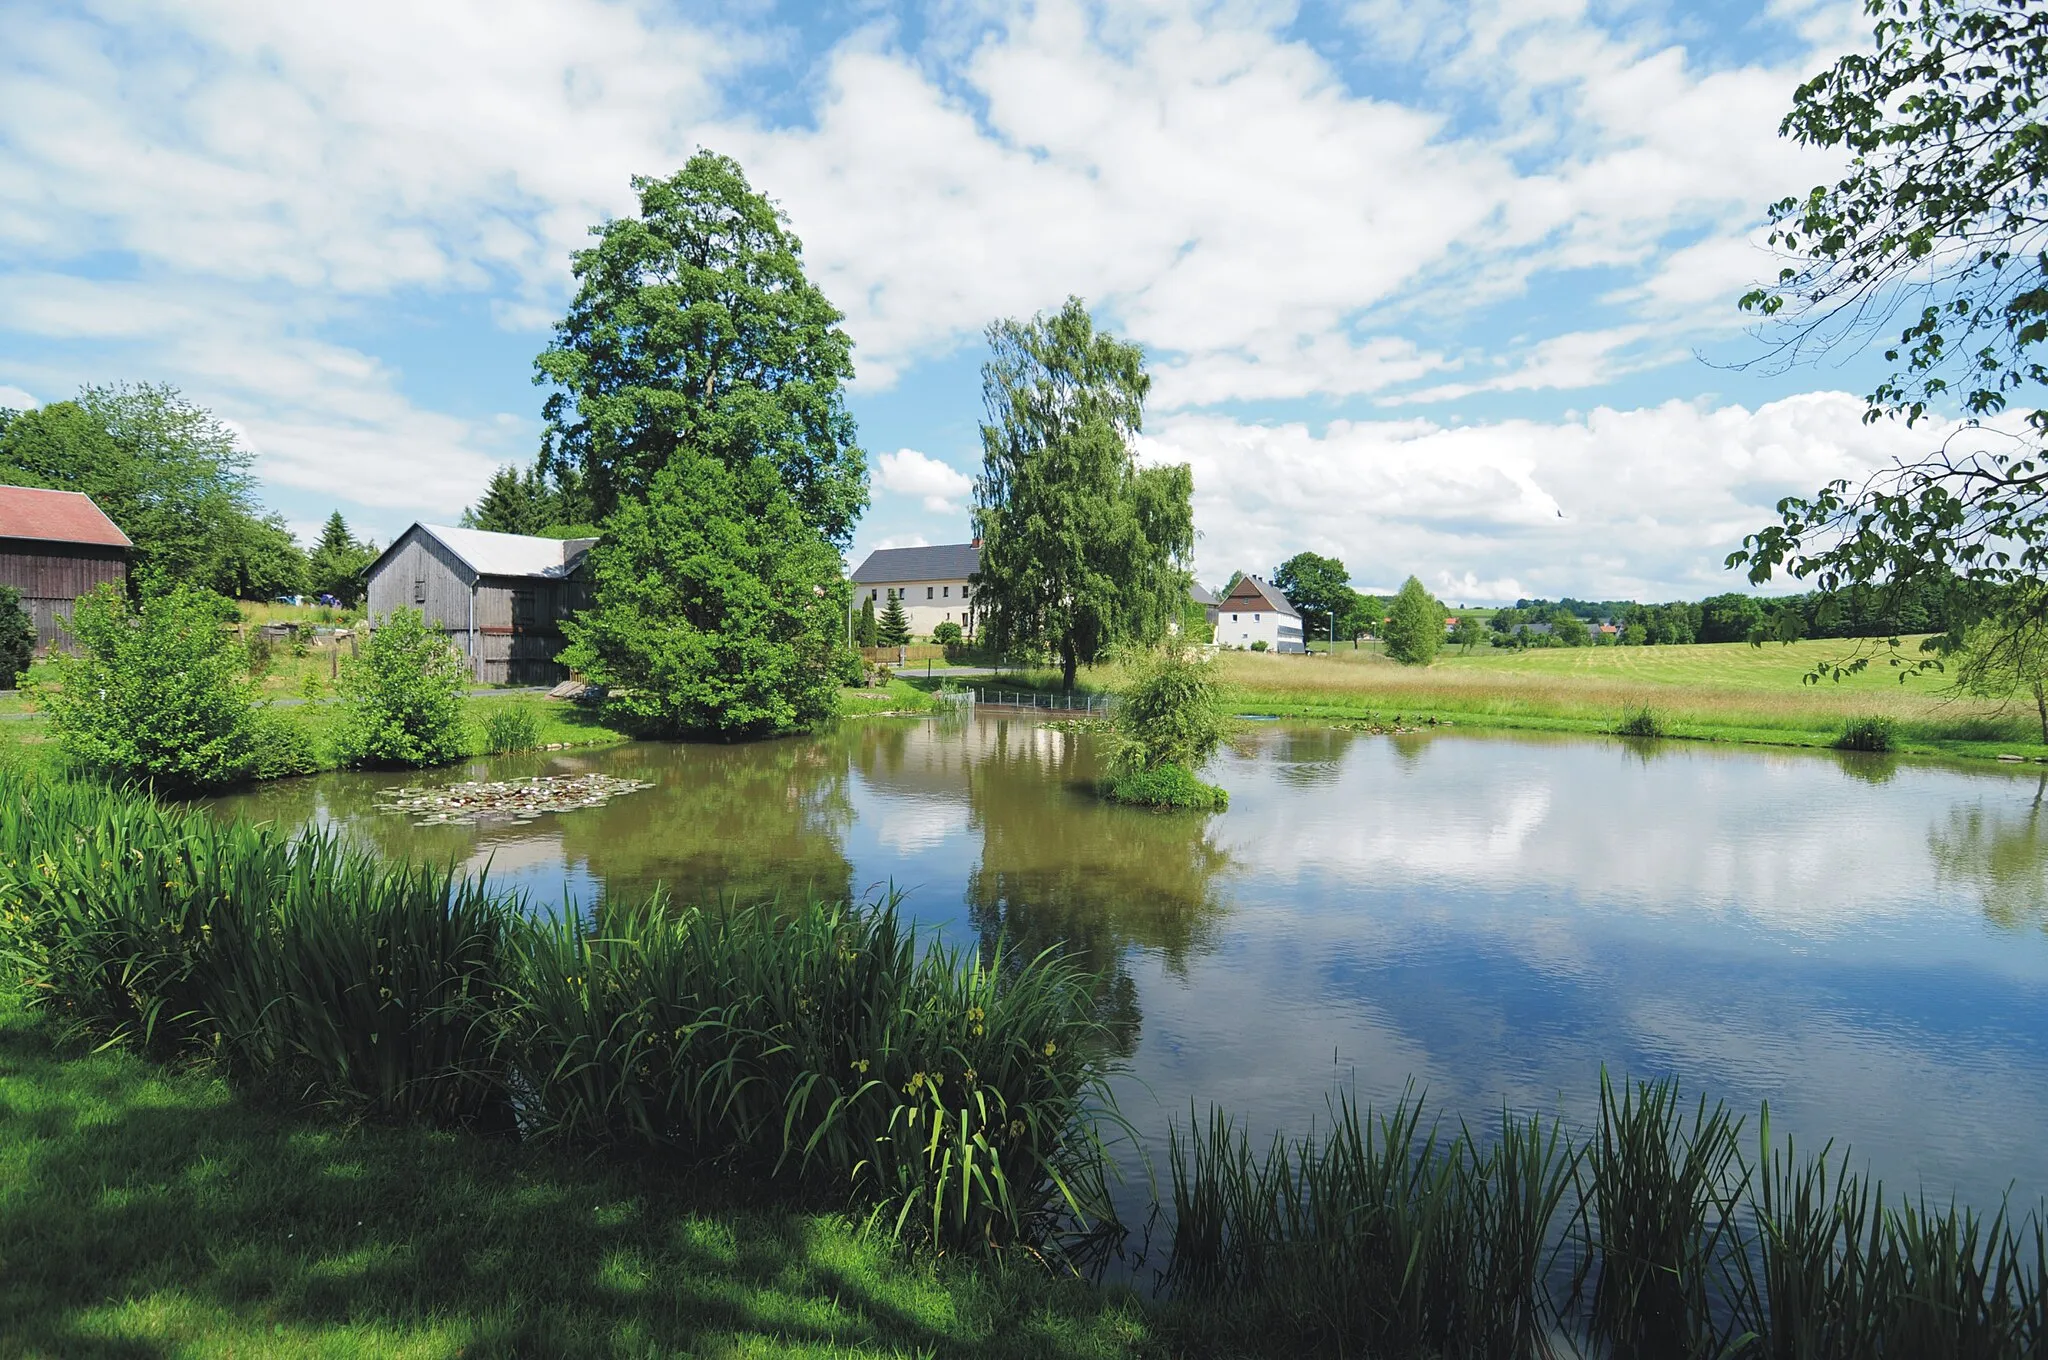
[[501, 597], [1256, 611], [54, 547], [932, 582]]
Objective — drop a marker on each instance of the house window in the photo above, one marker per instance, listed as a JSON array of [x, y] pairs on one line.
[[1233, 618], [948, 595], [874, 594], [1255, 618], [419, 590], [966, 592], [928, 592], [522, 609]]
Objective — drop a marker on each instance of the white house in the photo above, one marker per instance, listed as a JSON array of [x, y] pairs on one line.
[[1255, 611], [932, 583]]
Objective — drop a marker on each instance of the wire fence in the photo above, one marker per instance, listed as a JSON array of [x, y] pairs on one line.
[[1028, 698]]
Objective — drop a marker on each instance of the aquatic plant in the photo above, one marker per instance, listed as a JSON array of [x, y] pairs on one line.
[[1874, 732], [1640, 720], [512, 728], [1167, 786]]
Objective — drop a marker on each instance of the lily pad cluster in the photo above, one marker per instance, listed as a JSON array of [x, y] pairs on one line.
[[506, 800]]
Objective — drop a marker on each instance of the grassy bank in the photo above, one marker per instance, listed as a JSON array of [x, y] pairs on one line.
[[1710, 691], [149, 1211]]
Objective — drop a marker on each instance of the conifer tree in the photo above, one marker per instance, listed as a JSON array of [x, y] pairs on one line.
[[865, 630], [895, 625]]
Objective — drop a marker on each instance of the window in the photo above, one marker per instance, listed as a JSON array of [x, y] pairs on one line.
[[522, 609], [1233, 618], [928, 592], [419, 590], [874, 594], [948, 595], [1255, 618], [966, 592]]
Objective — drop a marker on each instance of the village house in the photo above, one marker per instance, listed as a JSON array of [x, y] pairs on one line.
[[933, 583], [1256, 611], [500, 597], [54, 547]]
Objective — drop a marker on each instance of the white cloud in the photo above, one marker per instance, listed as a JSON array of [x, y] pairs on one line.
[[1638, 504], [16, 399], [939, 487]]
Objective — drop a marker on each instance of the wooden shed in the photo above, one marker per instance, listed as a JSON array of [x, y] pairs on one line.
[[54, 547], [501, 597]]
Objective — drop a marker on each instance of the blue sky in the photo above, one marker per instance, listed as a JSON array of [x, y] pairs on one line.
[[1433, 288]]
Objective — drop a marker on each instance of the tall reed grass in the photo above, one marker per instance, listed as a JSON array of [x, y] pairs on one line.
[[1654, 1236], [959, 1099]]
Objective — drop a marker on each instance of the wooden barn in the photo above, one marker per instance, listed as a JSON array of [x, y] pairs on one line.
[[501, 597], [54, 547]]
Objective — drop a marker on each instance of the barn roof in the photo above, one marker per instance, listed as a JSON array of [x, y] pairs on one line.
[[939, 562], [489, 554], [56, 517]]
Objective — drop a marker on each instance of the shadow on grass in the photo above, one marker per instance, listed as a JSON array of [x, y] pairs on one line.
[[145, 1213]]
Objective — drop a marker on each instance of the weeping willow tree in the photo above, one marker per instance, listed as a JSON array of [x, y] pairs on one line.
[[1082, 548]]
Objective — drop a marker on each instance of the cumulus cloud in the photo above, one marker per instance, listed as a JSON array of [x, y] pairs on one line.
[[1640, 504], [939, 487]]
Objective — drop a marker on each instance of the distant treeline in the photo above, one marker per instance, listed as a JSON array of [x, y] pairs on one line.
[[1855, 612]]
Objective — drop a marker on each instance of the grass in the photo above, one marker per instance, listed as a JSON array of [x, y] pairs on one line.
[[146, 1211], [1164, 786]]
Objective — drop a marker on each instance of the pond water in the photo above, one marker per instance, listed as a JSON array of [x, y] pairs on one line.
[[1859, 941]]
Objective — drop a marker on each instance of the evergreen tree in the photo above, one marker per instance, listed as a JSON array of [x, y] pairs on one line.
[[865, 632], [518, 503], [894, 629], [339, 565], [1415, 626]]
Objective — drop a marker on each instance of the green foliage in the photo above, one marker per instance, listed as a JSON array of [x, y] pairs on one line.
[[401, 697], [1164, 786], [716, 607], [516, 728], [280, 746], [1171, 712], [1320, 587], [1415, 625], [694, 326], [866, 631], [1194, 622], [17, 638], [1468, 633], [1640, 720], [339, 564], [2006, 655], [1081, 548], [947, 634], [894, 628], [959, 1098], [1260, 645], [1874, 733], [158, 691], [173, 478], [524, 503]]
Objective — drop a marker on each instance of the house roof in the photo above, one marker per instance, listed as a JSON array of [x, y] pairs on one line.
[[1199, 593], [56, 517], [489, 554], [1253, 593], [938, 562]]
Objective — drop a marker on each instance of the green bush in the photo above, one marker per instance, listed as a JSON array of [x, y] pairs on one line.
[[947, 634], [512, 728], [1641, 721], [158, 692], [1169, 786], [17, 638], [1170, 712], [1874, 733], [401, 698], [1259, 645], [280, 746]]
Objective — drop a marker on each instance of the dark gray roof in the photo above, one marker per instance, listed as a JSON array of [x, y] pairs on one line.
[[1199, 593], [939, 562]]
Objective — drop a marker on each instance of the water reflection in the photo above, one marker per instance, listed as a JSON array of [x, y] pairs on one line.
[[2001, 854]]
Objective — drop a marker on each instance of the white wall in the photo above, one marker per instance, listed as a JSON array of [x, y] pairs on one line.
[[1243, 627], [926, 604]]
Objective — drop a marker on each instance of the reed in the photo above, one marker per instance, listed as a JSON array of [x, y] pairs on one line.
[[959, 1099]]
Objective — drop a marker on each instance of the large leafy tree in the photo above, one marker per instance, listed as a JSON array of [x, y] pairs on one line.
[[339, 564], [718, 608], [170, 474], [694, 326], [1081, 547], [1320, 587], [1415, 625], [1934, 243]]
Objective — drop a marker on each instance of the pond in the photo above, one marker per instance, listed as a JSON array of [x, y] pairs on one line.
[[1860, 941]]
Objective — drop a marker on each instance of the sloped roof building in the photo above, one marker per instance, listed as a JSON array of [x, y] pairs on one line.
[[54, 547], [500, 597]]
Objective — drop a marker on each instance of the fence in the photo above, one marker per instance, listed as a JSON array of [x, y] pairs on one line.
[[898, 656], [1031, 698]]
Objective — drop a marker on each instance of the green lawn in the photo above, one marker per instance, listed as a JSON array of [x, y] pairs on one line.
[[154, 1213]]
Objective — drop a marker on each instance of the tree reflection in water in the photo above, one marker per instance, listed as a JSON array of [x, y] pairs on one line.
[[2001, 855]]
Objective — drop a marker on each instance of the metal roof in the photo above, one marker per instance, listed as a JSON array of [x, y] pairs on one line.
[[938, 562], [489, 554], [56, 517], [1199, 593]]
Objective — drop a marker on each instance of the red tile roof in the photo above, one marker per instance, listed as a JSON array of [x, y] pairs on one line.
[[56, 517]]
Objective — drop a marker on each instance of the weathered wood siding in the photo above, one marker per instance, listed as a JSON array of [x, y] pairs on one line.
[[513, 645], [51, 577]]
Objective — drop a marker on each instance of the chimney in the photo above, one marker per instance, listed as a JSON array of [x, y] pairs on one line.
[[977, 542]]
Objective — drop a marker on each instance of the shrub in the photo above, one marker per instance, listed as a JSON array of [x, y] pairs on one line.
[[512, 728], [17, 638], [1259, 645], [947, 634], [1874, 733], [279, 746], [157, 692], [1641, 721], [401, 699], [1166, 785]]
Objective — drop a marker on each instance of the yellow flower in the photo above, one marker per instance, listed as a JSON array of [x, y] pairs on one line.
[[970, 1075], [1050, 1048], [860, 1065]]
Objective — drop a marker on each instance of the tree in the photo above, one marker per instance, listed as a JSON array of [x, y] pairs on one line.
[[1729, 618], [694, 326], [1570, 630], [1940, 216], [1169, 721], [865, 631], [401, 698], [339, 565], [157, 691], [717, 607], [1415, 626], [1468, 633], [513, 504], [2007, 655], [1081, 548], [17, 638], [169, 474], [947, 634], [895, 626], [1319, 587]]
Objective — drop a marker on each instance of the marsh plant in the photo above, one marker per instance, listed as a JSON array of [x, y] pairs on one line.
[[1640, 720], [958, 1100], [512, 728], [1872, 733], [1169, 721]]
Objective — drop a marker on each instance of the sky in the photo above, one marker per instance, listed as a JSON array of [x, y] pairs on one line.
[[1433, 288]]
